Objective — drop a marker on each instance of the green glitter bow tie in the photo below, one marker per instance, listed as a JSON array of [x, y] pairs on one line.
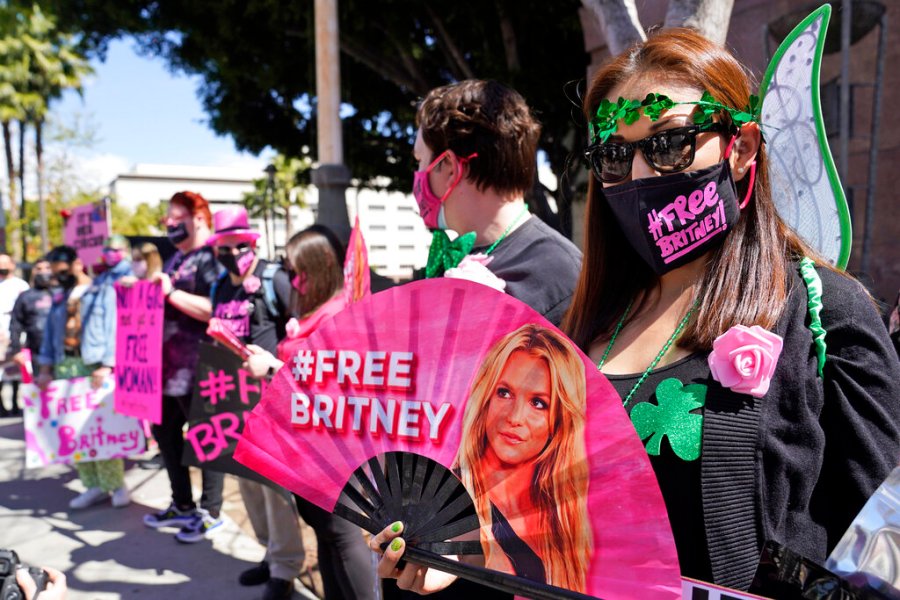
[[445, 254], [606, 120]]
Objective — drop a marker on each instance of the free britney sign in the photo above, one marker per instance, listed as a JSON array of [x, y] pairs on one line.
[[70, 422], [492, 393], [139, 316]]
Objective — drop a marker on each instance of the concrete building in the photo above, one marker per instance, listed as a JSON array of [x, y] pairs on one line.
[[395, 235]]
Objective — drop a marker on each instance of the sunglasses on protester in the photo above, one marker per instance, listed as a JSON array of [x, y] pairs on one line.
[[225, 250], [668, 151]]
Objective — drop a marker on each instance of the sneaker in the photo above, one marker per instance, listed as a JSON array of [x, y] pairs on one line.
[[203, 526], [88, 498], [278, 589], [170, 517], [121, 497], [258, 575]]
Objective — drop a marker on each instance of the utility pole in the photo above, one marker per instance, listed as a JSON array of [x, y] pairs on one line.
[[331, 177]]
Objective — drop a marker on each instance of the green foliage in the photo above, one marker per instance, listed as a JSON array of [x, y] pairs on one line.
[[257, 62], [288, 187], [144, 220]]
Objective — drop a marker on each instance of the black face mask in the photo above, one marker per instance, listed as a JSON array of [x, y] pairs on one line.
[[237, 264], [673, 219], [42, 280], [177, 233], [65, 279], [4, 272]]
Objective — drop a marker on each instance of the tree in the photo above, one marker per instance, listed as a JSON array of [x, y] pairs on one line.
[[256, 59], [54, 65], [287, 188], [621, 26], [38, 63]]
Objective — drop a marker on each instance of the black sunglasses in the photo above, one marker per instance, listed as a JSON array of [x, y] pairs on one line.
[[668, 151], [230, 249]]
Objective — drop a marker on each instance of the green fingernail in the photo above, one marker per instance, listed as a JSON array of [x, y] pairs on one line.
[[396, 526], [397, 544]]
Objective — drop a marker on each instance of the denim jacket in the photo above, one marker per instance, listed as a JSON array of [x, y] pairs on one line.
[[98, 322]]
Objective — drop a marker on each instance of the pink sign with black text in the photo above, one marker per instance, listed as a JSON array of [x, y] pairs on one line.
[[139, 315], [86, 230]]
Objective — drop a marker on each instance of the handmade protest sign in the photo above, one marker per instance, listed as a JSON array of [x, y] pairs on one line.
[[86, 229], [70, 422], [139, 314], [440, 403], [224, 394]]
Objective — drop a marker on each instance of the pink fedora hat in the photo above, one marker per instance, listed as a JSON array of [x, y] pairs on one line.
[[232, 221]]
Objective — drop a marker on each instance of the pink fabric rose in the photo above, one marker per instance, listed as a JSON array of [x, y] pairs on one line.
[[474, 268], [251, 284], [744, 358], [292, 328]]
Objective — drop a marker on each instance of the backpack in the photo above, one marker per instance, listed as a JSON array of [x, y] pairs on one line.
[[268, 288]]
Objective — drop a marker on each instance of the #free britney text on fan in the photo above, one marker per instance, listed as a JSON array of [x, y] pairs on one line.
[[374, 369]]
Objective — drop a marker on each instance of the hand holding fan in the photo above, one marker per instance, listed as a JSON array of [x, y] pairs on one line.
[[220, 332], [463, 413]]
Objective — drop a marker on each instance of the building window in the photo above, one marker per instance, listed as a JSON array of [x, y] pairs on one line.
[[375, 248], [406, 228], [406, 247], [378, 228], [376, 207], [405, 208]]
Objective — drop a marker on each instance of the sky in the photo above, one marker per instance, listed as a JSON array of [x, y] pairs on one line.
[[143, 113]]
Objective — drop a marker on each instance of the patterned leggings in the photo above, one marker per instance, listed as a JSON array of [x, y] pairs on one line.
[[108, 475]]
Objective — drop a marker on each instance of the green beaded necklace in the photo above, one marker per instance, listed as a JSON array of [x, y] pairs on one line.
[[506, 233], [665, 348]]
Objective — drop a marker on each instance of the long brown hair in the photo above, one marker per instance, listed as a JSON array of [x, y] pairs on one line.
[[317, 252], [746, 279]]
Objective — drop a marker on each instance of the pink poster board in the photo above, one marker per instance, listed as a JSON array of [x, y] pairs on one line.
[[139, 314], [70, 422], [436, 368], [86, 229]]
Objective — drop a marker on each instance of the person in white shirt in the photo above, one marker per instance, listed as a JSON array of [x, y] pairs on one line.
[[10, 288]]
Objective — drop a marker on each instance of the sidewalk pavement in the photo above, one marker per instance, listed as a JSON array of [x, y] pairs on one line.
[[107, 553]]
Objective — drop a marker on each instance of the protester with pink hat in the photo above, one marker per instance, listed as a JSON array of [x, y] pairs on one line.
[[232, 222], [252, 300]]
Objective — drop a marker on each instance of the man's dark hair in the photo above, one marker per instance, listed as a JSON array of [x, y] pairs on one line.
[[488, 118], [66, 254]]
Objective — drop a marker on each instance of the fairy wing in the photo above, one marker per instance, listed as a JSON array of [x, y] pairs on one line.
[[805, 185]]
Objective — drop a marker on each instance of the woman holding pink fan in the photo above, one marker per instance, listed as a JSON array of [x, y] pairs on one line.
[[314, 262]]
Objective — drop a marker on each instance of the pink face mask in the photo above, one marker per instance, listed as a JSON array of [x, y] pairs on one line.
[[299, 283], [112, 257], [429, 203]]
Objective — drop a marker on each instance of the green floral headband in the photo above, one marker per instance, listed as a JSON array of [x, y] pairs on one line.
[[606, 120]]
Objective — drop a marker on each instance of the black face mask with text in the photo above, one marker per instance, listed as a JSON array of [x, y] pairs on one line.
[[177, 233], [674, 219]]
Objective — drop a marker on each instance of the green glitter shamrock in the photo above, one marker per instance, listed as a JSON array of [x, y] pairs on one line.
[[671, 416]]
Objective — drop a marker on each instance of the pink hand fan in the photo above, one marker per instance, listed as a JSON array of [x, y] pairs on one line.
[[220, 332], [465, 414]]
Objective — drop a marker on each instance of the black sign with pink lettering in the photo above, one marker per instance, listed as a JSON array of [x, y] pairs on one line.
[[224, 394]]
